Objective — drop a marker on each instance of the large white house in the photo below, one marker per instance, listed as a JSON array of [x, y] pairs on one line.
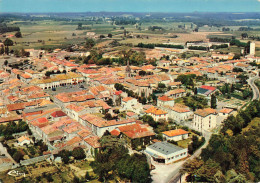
[[165, 152], [178, 113], [205, 119]]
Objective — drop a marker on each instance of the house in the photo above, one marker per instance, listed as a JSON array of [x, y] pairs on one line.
[[163, 63], [164, 100], [176, 135], [157, 113], [99, 125], [131, 104], [224, 113], [92, 144], [164, 152], [57, 115], [204, 119], [206, 90], [175, 85], [143, 132], [178, 112], [176, 93], [23, 140]]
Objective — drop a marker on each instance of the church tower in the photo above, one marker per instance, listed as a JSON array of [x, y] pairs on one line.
[[128, 70]]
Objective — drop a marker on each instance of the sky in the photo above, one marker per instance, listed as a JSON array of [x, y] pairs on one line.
[[45, 6]]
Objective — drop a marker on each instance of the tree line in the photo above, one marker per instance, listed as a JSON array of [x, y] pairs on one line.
[[152, 46]]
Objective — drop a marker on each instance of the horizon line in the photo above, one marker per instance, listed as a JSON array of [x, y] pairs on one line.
[[128, 12]]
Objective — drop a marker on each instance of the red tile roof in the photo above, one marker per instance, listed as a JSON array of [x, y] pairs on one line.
[[93, 141], [176, 132], [115, 132], [58, 114], [165, 98], [208, 87]]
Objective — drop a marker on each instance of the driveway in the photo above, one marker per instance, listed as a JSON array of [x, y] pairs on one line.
[[162, 173]]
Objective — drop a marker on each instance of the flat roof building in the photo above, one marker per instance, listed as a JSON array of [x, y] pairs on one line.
[[164, 152]]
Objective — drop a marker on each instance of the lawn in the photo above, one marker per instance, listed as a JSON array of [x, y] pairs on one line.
[[184, 143]]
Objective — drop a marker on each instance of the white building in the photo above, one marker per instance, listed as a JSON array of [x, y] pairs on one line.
[[176, 135], [178, 113], [164, 100], [23, 140], [131, 104], [156, 113], [252, 48], [165, 152], [204, 119]]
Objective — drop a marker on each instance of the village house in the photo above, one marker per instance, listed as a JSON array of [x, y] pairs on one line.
[[157, 114], [178, 112], [135, 134], [23, 140], [164, 100], [224, 113], [176, 93], [163, 63], [99, 125], [176, 135], [204, 119], [131, 104], [92, 144]]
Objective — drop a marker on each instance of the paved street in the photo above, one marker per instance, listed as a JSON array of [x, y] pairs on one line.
[[251, 83]]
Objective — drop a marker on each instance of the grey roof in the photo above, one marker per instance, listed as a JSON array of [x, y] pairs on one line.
[[165, 147]]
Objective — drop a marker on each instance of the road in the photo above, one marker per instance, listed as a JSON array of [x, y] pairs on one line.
[[176, 175], [255, 89]]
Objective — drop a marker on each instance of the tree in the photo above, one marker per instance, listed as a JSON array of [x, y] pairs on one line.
[[108, 116], [244, 35], [102, 36], [6, 62], [191, 167], [2, 50], [18, 34], [78, 153], [8, 42], [161, 85], [90, 43], [7, 50], [208, 170], [213, 101], [18, 156], [79, 26], [65, 156], [195, 91]]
